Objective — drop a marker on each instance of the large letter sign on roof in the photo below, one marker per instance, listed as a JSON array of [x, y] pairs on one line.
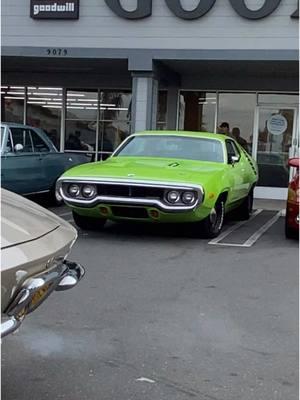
[[143, 10], [203, 7], [267, 9]]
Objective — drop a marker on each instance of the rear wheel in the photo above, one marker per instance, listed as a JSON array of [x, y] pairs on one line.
[[289, 232], [88, 223], [244, 211], [212, 225]]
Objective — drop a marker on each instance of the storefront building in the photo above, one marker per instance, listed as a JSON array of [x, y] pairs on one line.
[[91, 72]]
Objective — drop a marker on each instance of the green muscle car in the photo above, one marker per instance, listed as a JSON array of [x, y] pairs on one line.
[[164, 176]]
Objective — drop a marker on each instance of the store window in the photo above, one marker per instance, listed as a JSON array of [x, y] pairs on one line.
[[44, 107], [97, 121], [115, 120], [197, 111], [162, 110], [81, 120], [12, 104], [236, 117], [278, 98]]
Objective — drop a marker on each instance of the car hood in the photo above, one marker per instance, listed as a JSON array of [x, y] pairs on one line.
[[146, 168], [22, 220]]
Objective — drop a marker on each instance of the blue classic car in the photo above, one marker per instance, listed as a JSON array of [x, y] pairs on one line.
[[30, 163]]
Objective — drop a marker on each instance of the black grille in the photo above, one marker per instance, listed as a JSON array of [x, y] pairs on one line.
[[130, 191], [129, 212]]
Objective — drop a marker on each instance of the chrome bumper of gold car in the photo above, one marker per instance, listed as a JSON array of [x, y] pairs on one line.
[[34, 291]]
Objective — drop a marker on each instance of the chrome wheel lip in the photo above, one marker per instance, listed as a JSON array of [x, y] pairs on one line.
[[58, 197], [217, 221]]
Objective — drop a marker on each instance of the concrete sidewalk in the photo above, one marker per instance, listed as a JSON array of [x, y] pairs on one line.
[[267, 204]]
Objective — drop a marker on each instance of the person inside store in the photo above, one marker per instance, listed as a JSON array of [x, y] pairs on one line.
[[224, 129], [236, 134]]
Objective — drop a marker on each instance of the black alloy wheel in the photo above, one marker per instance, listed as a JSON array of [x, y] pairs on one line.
[[88, 223]]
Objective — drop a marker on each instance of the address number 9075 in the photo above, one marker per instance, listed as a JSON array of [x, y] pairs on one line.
[[57, 52]]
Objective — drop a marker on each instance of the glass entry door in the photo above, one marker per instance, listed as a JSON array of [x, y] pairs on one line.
[[274, 142]]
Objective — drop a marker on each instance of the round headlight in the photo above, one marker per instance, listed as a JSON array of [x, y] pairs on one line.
[[173, 196], [89, 191], [188, 197], [74, 190]]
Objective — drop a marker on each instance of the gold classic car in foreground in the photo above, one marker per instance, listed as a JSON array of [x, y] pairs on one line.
[[34, 247]]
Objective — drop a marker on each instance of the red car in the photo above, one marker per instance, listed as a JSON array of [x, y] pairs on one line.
[[292, 208]]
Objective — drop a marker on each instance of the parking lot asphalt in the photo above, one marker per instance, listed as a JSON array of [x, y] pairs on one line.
[[162, 315]]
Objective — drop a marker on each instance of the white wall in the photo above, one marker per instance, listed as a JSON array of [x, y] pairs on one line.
[[99, 27]]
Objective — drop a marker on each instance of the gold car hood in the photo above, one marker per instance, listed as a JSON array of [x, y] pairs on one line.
[[23, 220]]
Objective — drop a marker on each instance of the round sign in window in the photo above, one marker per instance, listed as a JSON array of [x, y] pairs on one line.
[[277, 124]]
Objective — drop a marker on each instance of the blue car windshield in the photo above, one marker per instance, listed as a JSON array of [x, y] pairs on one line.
[[180, 147]]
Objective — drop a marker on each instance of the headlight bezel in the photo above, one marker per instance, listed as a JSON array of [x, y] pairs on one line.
[[77, 194], [93, 192], [180, 200], [188, 192], [173, 191]]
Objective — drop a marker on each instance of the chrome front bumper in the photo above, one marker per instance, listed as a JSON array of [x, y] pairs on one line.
[[36, 289]]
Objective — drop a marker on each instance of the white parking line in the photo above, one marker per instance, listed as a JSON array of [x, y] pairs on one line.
[[234, 227], [253, 238]]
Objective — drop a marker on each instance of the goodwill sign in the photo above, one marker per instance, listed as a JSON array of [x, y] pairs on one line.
[[58, 9]]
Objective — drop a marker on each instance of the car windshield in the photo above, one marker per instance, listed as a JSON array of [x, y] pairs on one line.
[[188, 148]]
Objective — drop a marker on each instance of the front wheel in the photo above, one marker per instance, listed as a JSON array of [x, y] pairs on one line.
[[88, 223], [213, 223]]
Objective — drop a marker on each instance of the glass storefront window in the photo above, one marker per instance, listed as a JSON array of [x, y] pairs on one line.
[[82, 105], [80, 135], [97, 121], [162, 110], [115, 119], [12, 104], [197, 111], [275, 134], [236, 111], [277, 98], [44, 106]]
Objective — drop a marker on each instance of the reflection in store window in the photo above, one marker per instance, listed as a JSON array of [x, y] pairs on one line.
[[197, 111], [115, 119], [97, 121], [80, 135], [237, 110], [162, 110], [44, 105], [12, 104]]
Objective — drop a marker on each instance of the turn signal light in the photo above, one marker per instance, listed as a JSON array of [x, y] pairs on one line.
[[154, 214], [104, 210]]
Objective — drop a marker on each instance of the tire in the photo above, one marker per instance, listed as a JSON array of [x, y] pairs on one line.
[[88, 223], [289, 232], [244, 211], [212, 225]]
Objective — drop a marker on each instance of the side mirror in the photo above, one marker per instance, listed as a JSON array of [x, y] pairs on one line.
[[294, 162], [19, 147], [234, 159]]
